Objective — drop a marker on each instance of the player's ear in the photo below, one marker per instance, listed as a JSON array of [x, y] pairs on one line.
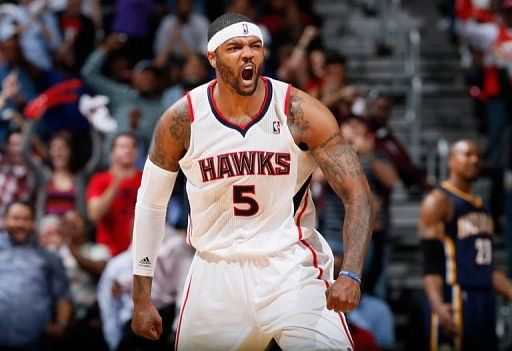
[[213, 59]]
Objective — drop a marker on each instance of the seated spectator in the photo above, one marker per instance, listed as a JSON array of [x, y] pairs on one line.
[[115, 288], [16, 181], [38, 31], [137, 107], [84, 261], [78, 34], [35, 297], [378, 112], [111, 195], [61, 187], [182, 33]]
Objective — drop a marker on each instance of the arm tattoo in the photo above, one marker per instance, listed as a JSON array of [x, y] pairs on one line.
[[296, 122], [342, 170], [174, 129]]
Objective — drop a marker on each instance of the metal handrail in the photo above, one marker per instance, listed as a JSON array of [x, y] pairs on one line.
[[413, 104]]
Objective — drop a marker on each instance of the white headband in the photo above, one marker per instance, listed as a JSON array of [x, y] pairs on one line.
[[239, 29]]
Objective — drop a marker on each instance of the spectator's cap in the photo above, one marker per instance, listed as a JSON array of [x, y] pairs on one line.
[[144, 65], [506, 5]]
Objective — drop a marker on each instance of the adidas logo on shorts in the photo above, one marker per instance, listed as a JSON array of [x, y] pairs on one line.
[[145, 261]]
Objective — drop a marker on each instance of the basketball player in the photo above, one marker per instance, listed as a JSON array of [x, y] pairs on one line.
[[248, 145], [456, 239]]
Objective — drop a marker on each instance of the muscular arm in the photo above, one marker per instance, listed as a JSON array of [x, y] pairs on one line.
[[313, 124], [171, 139], [435, 210], [431, 227]]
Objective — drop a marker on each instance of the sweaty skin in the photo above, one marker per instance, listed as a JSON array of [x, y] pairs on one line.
[[311, 123]]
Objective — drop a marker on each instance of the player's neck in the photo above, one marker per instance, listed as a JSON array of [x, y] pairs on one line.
[[461, 184], [233, 105]]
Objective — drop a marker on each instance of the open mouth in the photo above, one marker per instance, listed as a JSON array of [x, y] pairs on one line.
[[248, 74]]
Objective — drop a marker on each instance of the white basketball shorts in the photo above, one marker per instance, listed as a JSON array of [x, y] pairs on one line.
[[242, 303]]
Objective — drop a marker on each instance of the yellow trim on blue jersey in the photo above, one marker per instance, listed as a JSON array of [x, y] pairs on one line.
[[457, 315], [451, 265], [434, 328], [475, 200]]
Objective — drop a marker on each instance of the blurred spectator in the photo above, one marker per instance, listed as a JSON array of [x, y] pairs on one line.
[[61, 187], [115, 305], [16, 183], [334, 91], [111, 195], [292, 60], [35, 297], [136, 108], [114, 293], [84, 262], [38, 30], [492, 37], [378, 112], [374, 315], [182, 32], [195, 72], [78, 35], [133, 19]]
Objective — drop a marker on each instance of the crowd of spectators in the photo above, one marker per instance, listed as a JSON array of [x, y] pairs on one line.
[[68, 183]]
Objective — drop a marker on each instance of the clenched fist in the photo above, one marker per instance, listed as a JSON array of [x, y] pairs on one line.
[[343, 295]]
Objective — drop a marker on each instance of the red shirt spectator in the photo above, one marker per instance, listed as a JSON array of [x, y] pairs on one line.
[[111, 196]]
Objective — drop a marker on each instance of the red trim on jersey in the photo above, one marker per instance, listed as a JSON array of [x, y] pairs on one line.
[[287, 99], [342, 319], [297, 222], [190, 108], [189, 231], [181, 315], [315, 258]]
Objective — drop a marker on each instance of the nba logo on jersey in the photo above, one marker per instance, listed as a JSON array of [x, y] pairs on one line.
[[245, 28], [276, 126]]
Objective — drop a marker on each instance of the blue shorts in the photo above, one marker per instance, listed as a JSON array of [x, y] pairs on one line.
[[475, 312]]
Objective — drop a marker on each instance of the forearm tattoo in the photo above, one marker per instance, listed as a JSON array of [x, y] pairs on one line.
[[174, 129], [342, 169]]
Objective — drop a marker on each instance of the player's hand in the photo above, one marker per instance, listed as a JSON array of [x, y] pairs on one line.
[[146, 321], [343, 295], [446, 320]]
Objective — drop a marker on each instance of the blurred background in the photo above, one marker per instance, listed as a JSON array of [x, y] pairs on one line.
[[83, 83]]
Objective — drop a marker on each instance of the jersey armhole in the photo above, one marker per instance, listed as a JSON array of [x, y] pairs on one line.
[[190, 108], [287, 99]]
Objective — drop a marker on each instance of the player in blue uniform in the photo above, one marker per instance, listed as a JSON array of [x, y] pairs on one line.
[[456, 234]]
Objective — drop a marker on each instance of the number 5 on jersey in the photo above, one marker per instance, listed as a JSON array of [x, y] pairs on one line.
[[248, 206]]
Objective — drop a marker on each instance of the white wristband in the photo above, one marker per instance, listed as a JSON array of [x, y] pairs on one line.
[[149, 225]]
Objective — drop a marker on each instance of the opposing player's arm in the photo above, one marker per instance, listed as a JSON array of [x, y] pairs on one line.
[[501, 284], [171, 139], [435, 210], [313, 124]]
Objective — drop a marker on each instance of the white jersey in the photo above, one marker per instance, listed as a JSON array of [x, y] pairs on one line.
[[248, 186]]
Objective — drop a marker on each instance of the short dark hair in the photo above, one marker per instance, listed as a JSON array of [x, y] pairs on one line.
[[335, 58], [123, 134], [24, 203], [226, 20]]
